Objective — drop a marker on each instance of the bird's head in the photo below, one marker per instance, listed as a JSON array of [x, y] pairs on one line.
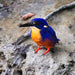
[[40, 23]]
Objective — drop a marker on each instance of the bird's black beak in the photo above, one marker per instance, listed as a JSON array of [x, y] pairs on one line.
[[26, 25]]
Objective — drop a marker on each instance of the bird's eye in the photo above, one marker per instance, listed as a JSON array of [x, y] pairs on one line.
[[34, 22], [45, 26]]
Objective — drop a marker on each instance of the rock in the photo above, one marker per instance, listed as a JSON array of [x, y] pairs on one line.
[[1, 29], [26, 16], [17, 53], [19, 58], [1, 5], [72, 54]]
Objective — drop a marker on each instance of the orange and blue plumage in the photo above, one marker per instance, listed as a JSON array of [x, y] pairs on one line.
[[42, 34]]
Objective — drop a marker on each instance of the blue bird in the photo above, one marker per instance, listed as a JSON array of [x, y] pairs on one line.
[[42, 34]]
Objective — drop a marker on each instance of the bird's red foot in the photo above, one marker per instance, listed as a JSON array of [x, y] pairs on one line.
[[47, 51], [37, 49]]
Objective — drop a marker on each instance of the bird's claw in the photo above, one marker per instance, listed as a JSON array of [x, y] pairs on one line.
[[37, 49]]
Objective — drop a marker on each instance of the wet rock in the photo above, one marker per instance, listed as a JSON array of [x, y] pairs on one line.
[[2, 56], [72, 54], [20, 58], [30, 71], [0, 71], [17, 72], [1, 29], [3, 14], [14, 63], [1, 5]]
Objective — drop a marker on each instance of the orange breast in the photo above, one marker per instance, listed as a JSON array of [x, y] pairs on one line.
[[35, 34]]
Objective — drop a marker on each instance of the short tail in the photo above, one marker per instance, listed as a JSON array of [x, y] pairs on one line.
[[58, 40]]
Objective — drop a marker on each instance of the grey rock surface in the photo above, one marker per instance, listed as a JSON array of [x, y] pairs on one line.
[[21, 59]]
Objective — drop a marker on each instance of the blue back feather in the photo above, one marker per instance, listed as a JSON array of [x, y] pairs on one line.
[[48, 33]]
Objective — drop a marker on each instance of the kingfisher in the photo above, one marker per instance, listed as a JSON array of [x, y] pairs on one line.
[[42, 34]]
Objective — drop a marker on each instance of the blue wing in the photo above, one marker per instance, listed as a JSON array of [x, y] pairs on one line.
[[49, 33]]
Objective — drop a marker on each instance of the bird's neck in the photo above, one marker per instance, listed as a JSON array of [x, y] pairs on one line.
[[35, 32], [35, 29]]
